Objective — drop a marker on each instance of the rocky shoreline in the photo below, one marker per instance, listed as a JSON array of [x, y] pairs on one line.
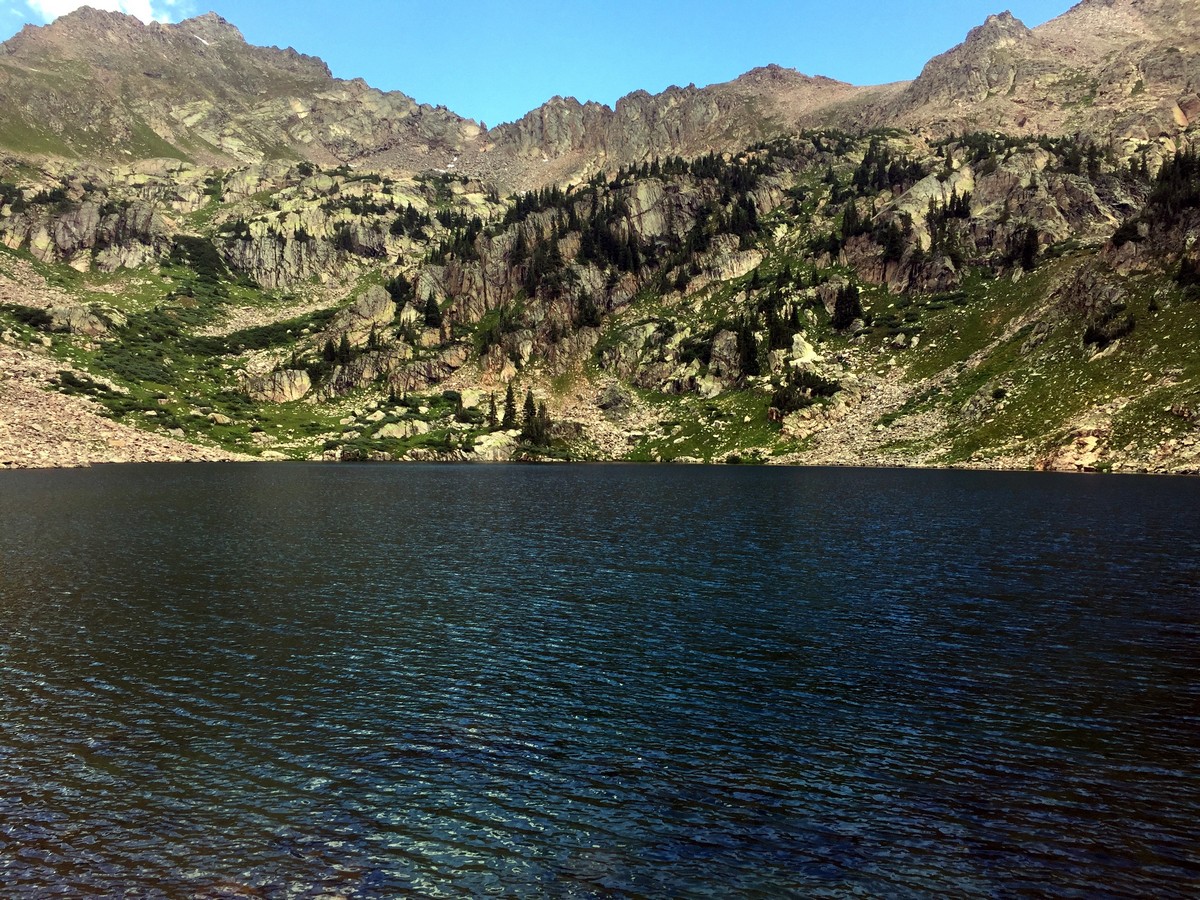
[[40, 428]]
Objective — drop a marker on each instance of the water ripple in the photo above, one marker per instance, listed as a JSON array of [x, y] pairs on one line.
[[307, 681]]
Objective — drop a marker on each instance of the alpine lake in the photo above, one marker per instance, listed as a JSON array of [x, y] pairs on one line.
[[304, 680]]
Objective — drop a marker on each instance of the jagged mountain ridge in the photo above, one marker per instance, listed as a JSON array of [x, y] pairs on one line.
[[197, 90], [102, 85], [1123, 70]]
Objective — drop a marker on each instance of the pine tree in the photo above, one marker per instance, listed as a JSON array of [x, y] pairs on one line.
[[530, 411], [747, 345], [491, 415], [520, 250], [329, 354], [851, 223], [433, 315], [1029, 249], [510, 409], [847, 307], [343, 351], [537, 426]]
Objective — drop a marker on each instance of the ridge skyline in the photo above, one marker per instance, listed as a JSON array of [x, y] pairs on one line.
[[519, 87]]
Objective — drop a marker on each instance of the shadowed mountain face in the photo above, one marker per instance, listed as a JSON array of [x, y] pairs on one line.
[[101, 85]]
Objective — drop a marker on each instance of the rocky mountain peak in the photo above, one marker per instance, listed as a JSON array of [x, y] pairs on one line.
[[999, 30], [774, 75], [987, 63], [210, 28]]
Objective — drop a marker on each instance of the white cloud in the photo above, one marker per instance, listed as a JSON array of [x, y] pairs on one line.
[[146, 10]]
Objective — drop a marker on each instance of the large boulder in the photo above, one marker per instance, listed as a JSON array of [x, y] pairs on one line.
[[372, 311], [283, 386], [402, 430], [76, 319]]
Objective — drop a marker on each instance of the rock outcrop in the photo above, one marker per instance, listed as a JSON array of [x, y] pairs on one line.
[[282, 386]]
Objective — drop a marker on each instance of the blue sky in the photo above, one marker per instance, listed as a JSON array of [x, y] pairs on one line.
[[495, 60]]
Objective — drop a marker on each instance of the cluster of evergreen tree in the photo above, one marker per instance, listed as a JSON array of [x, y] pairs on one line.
[[535, 422], [1023, 248], [495, 324], [1110, 325], [943, 238], [199, 255], [602, 245], [433, 313], [12, 196], [734, 176], [344, 241], [1138, 170], [979, 148], [879, 171], [893, 239], [853, 223], [400, 289], [1082, 160], [461, 244], [743, 221], [340, 354], [1176, 187], [957, 207], [802, 388], [55, 197], [587, 311], [541, 267], [778, 323], [235, 229], [833, 142], [525, 205], [1174, 191], [747, 347], [847, 307], [358, 206], [411, 223], [1075, 156]]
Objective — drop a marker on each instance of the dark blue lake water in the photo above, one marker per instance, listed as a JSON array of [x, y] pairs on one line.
[[305, 680]]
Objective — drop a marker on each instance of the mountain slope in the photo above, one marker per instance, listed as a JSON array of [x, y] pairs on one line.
[[103, 86], [700, 275], [1126, 70], [199, 92]]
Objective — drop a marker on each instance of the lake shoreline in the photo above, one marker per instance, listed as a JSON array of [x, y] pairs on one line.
[[9, 466]]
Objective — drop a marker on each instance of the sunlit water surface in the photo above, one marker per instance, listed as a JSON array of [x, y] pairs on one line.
[[298, 681]]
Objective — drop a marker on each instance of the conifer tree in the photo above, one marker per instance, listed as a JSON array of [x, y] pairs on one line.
[[1029, 249], [847, 307], [433, 315], [510, 409], [343, 351], [530, 411], [491, 416]]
